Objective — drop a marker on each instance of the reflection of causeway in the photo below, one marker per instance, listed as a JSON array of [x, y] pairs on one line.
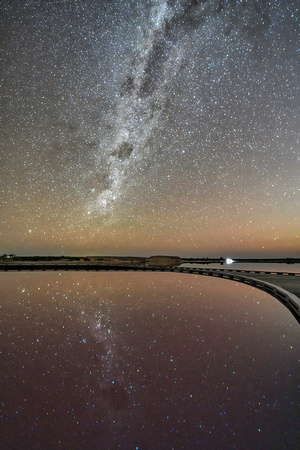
[[284, 286]]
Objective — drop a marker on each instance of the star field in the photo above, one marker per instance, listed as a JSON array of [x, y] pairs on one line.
[[150, 127]]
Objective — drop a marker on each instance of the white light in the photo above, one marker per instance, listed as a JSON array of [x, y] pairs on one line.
[[229, 261]]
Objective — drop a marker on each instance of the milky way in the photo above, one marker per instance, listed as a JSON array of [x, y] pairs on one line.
[[150, 126]]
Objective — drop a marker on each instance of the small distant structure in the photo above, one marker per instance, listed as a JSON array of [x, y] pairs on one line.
[[229, 260], [11, 256]]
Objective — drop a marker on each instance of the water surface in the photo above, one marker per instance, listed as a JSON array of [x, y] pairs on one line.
[[147, 361]]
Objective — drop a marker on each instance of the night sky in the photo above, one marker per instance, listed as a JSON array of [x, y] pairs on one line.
[[144, 127]]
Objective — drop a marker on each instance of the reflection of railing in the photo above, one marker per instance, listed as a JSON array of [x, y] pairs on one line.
[[287, 298]]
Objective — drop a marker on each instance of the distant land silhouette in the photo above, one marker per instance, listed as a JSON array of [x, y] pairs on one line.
[[157, 260]]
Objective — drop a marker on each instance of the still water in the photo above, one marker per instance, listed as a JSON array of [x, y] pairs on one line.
[[145, 361]]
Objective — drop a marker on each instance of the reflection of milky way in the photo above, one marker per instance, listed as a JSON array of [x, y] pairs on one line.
[[99, 329], [145, 361]]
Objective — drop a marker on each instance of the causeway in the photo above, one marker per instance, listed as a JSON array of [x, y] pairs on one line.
[[284, 286]]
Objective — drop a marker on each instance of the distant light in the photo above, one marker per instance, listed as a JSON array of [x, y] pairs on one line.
[[229, 261]]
